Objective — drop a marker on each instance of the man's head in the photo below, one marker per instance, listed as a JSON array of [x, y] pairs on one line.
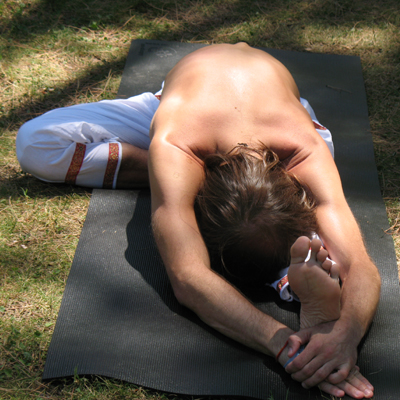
[[250, 211]]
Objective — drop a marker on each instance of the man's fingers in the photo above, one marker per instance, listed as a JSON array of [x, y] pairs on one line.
[[313, 373], [317, 371], [339, 375], [355, 385], [331, 389], [322, 360], [317, 377], [296, 340], [352, 391], [354, 376], [356, 382], [294, 344], [342, 389]]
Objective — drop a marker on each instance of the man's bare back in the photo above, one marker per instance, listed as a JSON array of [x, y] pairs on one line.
[[223, 95]]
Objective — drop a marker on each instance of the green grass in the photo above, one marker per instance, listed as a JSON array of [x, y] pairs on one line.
[[61, 52]]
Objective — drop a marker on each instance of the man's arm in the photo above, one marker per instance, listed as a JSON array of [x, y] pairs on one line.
[[333, 346], [175, 178]]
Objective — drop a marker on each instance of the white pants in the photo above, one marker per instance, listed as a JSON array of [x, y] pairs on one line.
[[81, 144]]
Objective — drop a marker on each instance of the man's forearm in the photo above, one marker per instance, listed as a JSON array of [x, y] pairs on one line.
[[223, 308], [206, 293], [360, 295], [175, 179], [360, 277]]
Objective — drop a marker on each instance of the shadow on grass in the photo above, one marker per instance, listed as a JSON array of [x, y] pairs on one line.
[[193, 21], [200, 17], [21, 185], [383, 89], [200, 20], [61, 96]]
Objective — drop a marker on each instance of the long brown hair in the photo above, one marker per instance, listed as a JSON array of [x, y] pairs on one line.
[[250, 211]]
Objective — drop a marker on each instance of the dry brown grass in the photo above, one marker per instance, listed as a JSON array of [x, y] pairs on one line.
[[59, 53]]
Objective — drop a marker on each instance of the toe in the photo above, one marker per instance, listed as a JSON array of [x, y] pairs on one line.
[[334, 271], [322, 255], [315, 248], [327, 266], [299, 250]]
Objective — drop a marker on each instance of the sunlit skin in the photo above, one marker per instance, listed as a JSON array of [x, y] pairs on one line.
[[213, 99]]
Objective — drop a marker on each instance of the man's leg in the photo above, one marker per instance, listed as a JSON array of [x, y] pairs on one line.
[[133, 172], [99, 145]]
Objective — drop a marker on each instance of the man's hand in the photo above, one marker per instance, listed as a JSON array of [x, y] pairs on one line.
[[355, 385], [328, 349], [328, 360]]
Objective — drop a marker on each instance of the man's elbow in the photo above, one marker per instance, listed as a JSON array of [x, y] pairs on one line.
[[373, 280], [184, 293], [181, 296], [374, 275], [378, 281]]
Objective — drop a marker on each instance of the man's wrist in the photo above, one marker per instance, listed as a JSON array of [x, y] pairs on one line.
[[279, 345], [353, 329], [281, 350]]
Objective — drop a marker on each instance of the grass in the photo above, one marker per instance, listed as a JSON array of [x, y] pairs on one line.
[[61, 52]]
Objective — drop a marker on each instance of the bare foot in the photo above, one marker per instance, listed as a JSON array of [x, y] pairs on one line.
[[318, 292]]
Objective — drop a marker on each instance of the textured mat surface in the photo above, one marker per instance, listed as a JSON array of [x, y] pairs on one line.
[[118, 316]]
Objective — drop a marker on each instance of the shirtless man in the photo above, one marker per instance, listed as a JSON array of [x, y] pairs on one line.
[[212, 100]]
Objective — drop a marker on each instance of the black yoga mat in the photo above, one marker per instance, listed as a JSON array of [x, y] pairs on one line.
[[118, 316]]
